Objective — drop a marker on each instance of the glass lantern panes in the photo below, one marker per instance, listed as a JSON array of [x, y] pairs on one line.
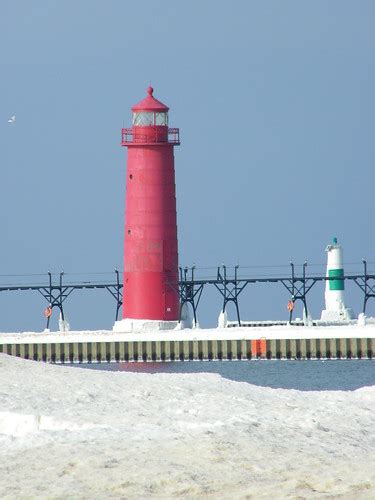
[[161, 118], [143, 118]]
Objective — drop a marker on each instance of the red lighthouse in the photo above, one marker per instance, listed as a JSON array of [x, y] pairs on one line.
[[151, 299]]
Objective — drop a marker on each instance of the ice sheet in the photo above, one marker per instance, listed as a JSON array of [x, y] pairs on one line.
[[73, 432]]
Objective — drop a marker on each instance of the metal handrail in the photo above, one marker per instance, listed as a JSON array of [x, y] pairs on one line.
[[158, 136]]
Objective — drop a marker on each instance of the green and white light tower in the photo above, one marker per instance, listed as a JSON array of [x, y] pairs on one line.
[[334, 294]]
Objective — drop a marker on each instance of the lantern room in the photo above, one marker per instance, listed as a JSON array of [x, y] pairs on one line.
[[150, 112], [150, 123]]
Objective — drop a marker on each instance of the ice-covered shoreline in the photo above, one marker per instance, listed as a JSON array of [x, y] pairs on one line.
[[75, 432]]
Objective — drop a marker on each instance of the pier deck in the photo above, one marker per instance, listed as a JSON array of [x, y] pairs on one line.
[[347, 342]]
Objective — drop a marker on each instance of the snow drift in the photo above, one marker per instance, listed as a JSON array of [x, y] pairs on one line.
[[76, 432]]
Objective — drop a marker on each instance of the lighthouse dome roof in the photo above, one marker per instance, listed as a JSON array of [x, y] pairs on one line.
[[149, 103]]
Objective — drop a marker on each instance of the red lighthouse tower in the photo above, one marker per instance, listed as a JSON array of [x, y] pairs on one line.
[[151, 299]]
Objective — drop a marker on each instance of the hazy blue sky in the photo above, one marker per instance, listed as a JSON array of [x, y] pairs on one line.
[[275, 104]]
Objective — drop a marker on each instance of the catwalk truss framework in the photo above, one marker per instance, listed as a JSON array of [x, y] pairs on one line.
[[190, 288]]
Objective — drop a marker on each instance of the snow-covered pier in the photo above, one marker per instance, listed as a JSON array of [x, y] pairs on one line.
[[334, 342]]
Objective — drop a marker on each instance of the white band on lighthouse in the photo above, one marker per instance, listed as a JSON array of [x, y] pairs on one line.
[[334, 292]]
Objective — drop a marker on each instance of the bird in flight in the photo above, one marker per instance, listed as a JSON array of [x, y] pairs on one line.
[[12, 119]]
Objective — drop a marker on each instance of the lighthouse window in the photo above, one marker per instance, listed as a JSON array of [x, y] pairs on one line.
[[143, 118], [161, 119]]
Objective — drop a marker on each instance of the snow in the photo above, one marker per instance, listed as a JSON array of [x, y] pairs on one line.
[[277, 332], [79, 433]]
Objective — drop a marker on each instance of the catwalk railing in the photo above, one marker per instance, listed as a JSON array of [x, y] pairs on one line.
[[227, 281], [155, 134]]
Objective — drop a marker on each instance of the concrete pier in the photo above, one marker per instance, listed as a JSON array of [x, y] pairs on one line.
[[107, 350]]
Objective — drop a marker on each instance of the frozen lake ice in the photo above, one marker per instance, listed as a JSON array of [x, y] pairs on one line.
[[261, 429]]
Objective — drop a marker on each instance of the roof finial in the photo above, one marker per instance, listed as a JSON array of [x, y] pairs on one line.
[[150, 90]]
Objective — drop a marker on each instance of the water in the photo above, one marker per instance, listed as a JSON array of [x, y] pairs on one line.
[[329, 375]]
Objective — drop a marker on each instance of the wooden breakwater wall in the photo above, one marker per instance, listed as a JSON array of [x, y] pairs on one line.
[[192, 350]]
